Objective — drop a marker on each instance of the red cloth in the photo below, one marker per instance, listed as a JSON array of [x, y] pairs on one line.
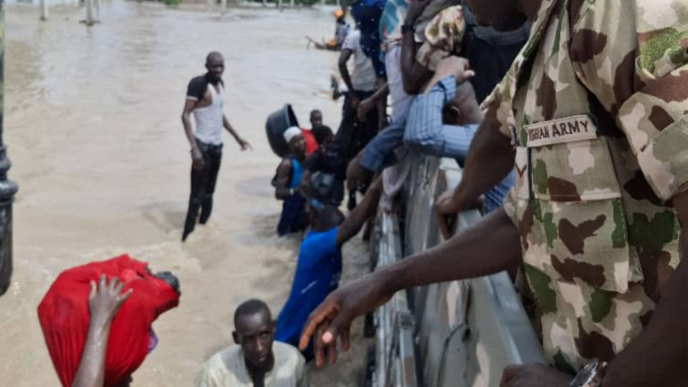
[[64, 317], [311, 144]]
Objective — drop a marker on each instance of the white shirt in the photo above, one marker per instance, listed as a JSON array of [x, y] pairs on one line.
[[209, 123], [227, 368], [363, 76]]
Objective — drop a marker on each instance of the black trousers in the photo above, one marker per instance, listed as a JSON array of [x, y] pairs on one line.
[[203, 182]]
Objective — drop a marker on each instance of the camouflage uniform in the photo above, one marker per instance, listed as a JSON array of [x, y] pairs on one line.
[[595, 106]]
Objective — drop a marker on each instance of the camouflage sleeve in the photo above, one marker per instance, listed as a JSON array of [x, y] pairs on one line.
[[443, 36], [632, 55], [497, 108]]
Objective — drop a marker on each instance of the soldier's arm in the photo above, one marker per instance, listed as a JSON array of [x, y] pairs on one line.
[[490, 159], [642, 74], [491, 246], [658, 357]]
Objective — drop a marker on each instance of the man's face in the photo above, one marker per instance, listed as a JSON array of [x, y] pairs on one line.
[[500, 14], [297, 145], [316, 119], [215, 67], [255, 334]]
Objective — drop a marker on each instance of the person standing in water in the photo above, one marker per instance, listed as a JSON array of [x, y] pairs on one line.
[[287, 181], [204, 98]]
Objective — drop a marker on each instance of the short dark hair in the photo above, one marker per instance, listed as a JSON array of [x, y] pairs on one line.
[[321, 133], [250, 308]]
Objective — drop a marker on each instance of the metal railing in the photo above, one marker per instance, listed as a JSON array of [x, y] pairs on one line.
[[461, 333]]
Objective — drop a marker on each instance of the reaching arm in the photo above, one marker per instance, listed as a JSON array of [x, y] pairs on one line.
[[490, 159], [104, 302], [242, 143], [282, 179], [491, 246], [413, 74], [353, 223], [379, 99]]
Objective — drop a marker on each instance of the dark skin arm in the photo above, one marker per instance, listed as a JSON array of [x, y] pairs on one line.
[[346, 77], [242, 143], [196, 154], [491, 246], [282, 191], [414, 75], [490, 159], [103, 303], [378, 98], [353, 223]]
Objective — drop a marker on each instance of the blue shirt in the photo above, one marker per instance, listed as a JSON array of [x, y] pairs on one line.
[[317, 274]]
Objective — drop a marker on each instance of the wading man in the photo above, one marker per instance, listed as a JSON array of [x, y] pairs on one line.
[[205, 98], [256, 360], [595, 216]]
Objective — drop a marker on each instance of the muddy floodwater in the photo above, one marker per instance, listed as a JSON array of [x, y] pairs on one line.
[[92, 121]]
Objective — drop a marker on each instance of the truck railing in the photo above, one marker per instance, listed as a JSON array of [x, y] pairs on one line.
[[460, 333]]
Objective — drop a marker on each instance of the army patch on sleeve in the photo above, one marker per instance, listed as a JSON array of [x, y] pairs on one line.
[[563, 130]]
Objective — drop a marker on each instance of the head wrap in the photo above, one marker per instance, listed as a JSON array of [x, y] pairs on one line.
[[290, 133]]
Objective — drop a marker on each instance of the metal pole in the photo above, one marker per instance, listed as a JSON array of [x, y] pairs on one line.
[[7, 187], [291, 3], [44, 10], [90, 17], [224, 6]]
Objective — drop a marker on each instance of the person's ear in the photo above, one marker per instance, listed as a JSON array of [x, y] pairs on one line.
[[235, 336]]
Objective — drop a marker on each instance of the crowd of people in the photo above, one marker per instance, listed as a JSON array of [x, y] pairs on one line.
[[568, 118]]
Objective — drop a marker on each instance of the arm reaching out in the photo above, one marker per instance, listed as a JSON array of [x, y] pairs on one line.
[[491, 246], [360, 215], [103, 303], [242, 143]]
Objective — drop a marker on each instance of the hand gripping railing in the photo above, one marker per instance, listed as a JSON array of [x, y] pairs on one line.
[[461, 333]]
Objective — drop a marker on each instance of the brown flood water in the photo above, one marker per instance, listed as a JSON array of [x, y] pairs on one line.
[[93, 128]]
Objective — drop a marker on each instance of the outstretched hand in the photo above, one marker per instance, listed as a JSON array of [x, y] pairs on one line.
[[332, 319], [245, 145], [105, 299]]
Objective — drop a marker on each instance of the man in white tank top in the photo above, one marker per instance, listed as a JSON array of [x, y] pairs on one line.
[[204, 98]]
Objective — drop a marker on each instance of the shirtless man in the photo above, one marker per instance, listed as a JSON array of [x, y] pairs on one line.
[[205, 97]]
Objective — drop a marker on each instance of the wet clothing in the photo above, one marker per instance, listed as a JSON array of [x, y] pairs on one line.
[[209, 119], [203, 182], [294, 217], [318, 271], [227, 368], [595, 107], [331, 161], [64, 317]]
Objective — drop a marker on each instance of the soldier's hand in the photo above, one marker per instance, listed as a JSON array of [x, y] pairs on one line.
[[455, 66], [447, 211], [332, 319], [533, 375]]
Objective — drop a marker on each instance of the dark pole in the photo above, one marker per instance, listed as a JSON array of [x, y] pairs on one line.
[[7, 187]]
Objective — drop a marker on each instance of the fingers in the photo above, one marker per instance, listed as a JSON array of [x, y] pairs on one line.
[[94, 290], [125, 296], [316, 318], [444, 225], [346, 338], [102, 284], [319, 347]]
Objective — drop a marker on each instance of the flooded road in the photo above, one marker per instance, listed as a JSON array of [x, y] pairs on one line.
[[92, 121]]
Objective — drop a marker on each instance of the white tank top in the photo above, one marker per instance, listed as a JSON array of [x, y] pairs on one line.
[[209, 118]]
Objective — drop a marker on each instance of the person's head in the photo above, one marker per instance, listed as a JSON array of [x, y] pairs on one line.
[[463, 109], [316, 118], [339, 15], [322, 216], [255, 333], [215, 64], [503, 15], [323, 135], [295, 142]]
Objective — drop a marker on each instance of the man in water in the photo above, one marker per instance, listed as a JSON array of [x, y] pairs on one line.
[[204, 98], [255, 360], [286, 183], [320, 259], [340, 33]]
